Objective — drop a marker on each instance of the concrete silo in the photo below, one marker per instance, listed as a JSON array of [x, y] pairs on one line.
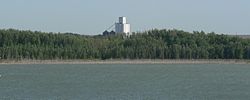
[[122, 26]]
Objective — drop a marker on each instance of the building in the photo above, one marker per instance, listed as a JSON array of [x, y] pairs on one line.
[[107, 33], [122, 26]]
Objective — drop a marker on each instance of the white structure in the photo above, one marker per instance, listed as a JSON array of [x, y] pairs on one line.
[[122, 26]]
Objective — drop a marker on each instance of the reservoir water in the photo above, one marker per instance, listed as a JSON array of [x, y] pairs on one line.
[[125, 82]]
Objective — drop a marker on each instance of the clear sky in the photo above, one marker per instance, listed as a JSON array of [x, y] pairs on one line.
[[92, 17]]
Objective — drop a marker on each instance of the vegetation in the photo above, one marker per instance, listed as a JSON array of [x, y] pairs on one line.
[[154, 44]]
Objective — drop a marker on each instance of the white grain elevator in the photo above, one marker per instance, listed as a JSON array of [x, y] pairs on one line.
[[122, 26]]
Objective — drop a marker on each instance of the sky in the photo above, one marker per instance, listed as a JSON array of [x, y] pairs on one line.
[[92, 17]]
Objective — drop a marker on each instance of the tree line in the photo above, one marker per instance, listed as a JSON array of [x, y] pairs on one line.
[[153, 44]]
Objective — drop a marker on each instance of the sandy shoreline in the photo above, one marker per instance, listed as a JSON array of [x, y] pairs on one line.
[[126, 61]]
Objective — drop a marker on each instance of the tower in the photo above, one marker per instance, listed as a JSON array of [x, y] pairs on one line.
[[122, 26]]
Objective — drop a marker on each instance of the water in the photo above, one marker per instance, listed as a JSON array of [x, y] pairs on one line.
[[125, 82]]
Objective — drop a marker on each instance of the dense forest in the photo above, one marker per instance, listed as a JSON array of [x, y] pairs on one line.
[[153, 44]]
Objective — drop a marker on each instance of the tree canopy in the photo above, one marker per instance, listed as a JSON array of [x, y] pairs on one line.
[[153, 44]]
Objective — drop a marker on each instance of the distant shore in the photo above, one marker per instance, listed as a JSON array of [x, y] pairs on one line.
[[130, 61]]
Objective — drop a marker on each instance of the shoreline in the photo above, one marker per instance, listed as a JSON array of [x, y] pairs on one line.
[[130, 61]]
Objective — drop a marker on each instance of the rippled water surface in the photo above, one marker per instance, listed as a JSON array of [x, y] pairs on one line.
[[125, 82]]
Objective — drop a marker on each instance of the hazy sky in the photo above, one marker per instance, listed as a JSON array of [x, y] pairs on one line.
[[94, 16]]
